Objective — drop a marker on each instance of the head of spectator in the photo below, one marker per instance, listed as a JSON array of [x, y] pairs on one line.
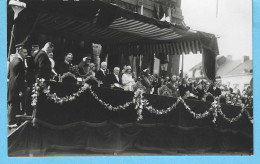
[[178, 78], [230, 91], [186, 94], [228, 98], [174, 78], [103, 66], [116, 71], [184, 82], [161, 81], [186, 76], [48, 47], [68, 58], [234, 100], [167, 78]]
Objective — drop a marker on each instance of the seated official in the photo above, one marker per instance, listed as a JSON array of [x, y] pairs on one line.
[[114, 80], [102, 75], [127, 79]]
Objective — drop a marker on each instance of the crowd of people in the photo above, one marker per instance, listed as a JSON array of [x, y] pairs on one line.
[[24, 68]]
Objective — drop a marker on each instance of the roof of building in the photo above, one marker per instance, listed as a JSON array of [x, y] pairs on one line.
[[229, 67], [242, 69]]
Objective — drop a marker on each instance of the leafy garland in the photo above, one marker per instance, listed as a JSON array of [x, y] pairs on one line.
[[68, 74], [138, 100], [109, 106]]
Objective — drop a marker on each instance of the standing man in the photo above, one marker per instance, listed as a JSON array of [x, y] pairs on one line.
[[29, 79], [102, 75], [66, 65], [16, 85], [42, 62]]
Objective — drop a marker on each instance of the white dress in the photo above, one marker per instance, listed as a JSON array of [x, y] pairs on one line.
[[128, 82]]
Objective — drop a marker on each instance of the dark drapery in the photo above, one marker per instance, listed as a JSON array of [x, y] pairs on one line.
[[210, 51], [86, 125]]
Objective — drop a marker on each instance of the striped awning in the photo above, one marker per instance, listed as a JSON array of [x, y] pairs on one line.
[[171, 48], [116, 29]]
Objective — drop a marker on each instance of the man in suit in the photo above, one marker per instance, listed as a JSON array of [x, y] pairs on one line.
[[66, 65], [16, 85], [29, 79], [102, 75], [42, 62], [114, 79], [214, 89], [184, 87]]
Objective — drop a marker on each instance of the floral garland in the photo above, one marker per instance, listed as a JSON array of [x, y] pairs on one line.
[[35, 91], [52, 96], [91, 78], [109, 106], [68, 74], [163, 111], [61, 100], [195, 115], [249, 116], [140, 103], [234, 119]]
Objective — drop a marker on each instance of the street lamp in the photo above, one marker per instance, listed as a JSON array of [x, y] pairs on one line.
[[17, 7]]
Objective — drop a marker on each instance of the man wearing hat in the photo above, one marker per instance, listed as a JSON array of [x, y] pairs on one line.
[[83, 67], [29, 78], [16, 85], [42, 62]]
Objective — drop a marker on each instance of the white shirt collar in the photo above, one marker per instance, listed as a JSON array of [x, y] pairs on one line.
[[44, 50]]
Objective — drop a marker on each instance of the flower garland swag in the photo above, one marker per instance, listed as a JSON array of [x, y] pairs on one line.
[[234, 119], [35, 93], [60, 100], [138, 100], [109, 106]]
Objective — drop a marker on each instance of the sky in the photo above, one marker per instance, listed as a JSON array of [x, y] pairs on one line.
[[232, 24]]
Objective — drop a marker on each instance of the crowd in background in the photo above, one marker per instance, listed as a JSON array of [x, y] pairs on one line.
[[24, 68]]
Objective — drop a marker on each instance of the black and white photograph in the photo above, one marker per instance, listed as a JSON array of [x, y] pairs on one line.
[[129, 78]]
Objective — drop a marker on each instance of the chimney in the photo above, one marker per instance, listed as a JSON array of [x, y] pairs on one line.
[[245, 58]]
